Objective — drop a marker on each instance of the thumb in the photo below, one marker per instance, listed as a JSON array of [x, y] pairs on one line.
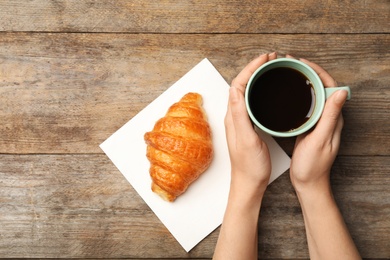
[[240, 118], [331, 114]]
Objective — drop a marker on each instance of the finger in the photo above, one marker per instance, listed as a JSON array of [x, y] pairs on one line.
[[272, 56], [331, 115], [240, 119], [229, 127], [340, 124], [337, 133], [243, 77], [326, 79], [300, 138]]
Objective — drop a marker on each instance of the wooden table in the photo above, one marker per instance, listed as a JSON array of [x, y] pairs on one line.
[[73, 72]]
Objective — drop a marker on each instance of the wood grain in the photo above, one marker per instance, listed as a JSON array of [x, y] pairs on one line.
[[66, 93], [81, 206], [73, 72], [198, 16]]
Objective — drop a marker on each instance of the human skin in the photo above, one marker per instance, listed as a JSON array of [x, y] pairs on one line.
[[313, 156], [250, 172]]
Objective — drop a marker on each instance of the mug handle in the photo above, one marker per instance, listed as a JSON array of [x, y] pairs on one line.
[[330, 91]]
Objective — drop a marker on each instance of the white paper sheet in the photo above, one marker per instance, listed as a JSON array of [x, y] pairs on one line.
[[196, 213]]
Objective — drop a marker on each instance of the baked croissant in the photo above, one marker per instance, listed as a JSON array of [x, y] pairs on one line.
[[179, 147]]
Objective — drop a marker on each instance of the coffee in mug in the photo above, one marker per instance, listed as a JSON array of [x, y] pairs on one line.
[[282, 99], [285, 97]]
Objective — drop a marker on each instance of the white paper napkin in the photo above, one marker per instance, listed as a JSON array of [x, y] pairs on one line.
[[196, 213]]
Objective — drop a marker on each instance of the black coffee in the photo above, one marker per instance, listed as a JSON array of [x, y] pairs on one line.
[[281, 99]]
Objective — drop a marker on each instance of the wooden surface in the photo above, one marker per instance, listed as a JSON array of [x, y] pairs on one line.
[[73, 72]]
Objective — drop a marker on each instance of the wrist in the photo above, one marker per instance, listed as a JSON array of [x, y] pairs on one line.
[[248, 189], [246, 196], [310, 182], [314, 193]]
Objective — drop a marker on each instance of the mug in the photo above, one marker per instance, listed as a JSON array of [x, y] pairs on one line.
[[272, 108]]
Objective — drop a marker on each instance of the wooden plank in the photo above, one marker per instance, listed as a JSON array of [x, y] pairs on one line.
[[360, 186], [66, 93], [75, 206], [81, 206], [199, 16]]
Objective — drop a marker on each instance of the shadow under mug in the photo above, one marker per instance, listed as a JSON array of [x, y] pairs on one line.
[[321, 94]]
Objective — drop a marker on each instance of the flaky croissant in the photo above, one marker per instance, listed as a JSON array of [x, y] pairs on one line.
[[179, 147]]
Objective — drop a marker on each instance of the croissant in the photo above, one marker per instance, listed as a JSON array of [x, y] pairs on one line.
[[179, 147]]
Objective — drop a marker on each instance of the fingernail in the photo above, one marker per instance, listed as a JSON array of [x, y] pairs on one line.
[[263, 55], [341, 97], [271, 54]]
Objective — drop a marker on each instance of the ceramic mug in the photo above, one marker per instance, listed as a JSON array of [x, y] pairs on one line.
[[319, 94]]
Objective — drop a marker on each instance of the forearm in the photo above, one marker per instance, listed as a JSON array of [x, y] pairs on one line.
[[238, 236], [327, 234]]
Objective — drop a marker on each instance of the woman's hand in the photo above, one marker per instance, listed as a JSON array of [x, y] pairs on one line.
[[250, 172], [315, 152], [249, 156]]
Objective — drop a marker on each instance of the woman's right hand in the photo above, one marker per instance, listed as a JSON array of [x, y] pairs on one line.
[[249, 155]]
